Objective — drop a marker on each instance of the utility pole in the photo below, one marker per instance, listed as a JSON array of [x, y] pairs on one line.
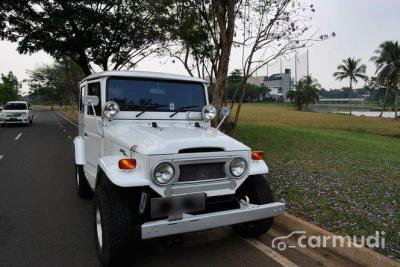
[[295, 67], [308, 64]]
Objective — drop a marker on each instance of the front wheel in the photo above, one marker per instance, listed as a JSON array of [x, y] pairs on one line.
[[117, 224], [257, 189]]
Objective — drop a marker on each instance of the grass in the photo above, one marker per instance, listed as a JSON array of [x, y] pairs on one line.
[[287, 116], [339, 172]]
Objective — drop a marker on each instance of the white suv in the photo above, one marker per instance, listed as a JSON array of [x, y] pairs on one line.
[[16, 112], [156, 167]]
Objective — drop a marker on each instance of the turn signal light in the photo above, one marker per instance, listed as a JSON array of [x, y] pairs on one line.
[[127, 164], [257, 155]]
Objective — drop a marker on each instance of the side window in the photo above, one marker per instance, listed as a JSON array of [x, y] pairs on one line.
[[94, 89], [81, 107]]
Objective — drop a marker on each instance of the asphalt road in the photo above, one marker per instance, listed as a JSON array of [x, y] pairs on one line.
[[44, 223]]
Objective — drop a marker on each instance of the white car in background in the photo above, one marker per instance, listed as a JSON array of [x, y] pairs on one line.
[[16, 112]]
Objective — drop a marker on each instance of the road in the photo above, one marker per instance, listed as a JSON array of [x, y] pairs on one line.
[[44, 223]]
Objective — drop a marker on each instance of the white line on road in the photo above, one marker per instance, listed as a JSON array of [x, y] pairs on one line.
[[270, 253], [18, 136], [67, 119], [1, 156]]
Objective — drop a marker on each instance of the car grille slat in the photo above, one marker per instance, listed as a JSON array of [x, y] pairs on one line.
[[201, 172]]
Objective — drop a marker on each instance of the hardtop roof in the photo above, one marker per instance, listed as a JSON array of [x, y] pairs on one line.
[[143, 74]]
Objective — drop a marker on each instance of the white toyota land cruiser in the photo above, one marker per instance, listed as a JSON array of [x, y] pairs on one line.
[[156, 167]]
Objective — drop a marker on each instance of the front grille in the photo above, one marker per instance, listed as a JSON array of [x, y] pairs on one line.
[[201, 172]]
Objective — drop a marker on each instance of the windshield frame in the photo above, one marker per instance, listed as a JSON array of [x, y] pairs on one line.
[[162, 110]]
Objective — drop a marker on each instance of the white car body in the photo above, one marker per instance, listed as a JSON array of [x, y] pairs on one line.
[[13, 116], [155, 137]]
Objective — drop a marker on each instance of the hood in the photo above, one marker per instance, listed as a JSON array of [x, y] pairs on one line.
[[170, 139], [14, 112]]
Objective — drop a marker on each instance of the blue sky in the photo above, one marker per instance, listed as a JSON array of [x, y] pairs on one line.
[[360, 26]]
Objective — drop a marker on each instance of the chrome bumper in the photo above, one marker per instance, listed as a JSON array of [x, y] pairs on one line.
[[190, 223]]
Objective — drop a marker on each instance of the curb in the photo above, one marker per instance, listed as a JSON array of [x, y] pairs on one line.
[[361, 256]]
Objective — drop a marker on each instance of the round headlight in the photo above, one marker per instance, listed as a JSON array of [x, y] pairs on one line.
[[209, 112], [238, 167], [164, 173], [111, 109]]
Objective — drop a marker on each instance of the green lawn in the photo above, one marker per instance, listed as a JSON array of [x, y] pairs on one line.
[[346, 180]]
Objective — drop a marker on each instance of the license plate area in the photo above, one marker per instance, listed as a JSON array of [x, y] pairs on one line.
[[177, 205]]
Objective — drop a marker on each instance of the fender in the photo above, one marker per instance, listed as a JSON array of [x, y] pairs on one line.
[[79, 150], [132, 178], [257, 167]]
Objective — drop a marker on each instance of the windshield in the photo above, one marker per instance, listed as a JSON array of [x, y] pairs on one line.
[[135, 94], [15, 106]]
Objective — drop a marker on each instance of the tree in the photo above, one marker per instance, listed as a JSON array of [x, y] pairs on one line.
[[9, 88], [201, 38], [306, 92], [265, 30], [387, 61], [351, 69], [56, 82], [108, 34]]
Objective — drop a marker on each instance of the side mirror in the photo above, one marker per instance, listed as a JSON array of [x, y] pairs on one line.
[[224, 114], [225, 111], [90, 100]]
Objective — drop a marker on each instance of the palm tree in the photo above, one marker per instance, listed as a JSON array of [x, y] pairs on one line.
[[311, 89], [306, 92], [351, 69], [387, 61]]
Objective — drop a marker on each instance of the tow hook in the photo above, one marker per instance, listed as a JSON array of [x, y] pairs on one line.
[[245, 201]]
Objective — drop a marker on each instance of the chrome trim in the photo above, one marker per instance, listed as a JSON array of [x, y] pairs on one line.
[[190, 223], [174, 176], [201, 187], [177, 162]]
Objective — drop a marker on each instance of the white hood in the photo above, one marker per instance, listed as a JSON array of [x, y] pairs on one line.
[[169, 139]]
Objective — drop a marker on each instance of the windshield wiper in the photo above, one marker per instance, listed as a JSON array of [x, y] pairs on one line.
[[180, 109], [144, 107]]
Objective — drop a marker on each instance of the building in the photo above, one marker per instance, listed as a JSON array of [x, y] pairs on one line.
[[279, 84]]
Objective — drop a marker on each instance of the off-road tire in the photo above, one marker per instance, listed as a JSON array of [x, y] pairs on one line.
[[120, 223], [82, 185], [259, 192]]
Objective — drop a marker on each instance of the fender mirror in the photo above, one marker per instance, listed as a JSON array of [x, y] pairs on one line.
[[225, 111], [90, 100], [224, 114]]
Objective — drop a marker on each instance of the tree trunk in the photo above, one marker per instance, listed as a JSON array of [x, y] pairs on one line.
[[384, 101], [225, 11], [351, 92], [396, 102], [242, 89]]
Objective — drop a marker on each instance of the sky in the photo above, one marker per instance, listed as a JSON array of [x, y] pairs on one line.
[[360, 26]]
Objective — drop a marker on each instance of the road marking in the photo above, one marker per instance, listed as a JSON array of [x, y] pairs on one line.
[[65, 118], [69, 137], [1, 156], [270, 253], [18, 136]]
